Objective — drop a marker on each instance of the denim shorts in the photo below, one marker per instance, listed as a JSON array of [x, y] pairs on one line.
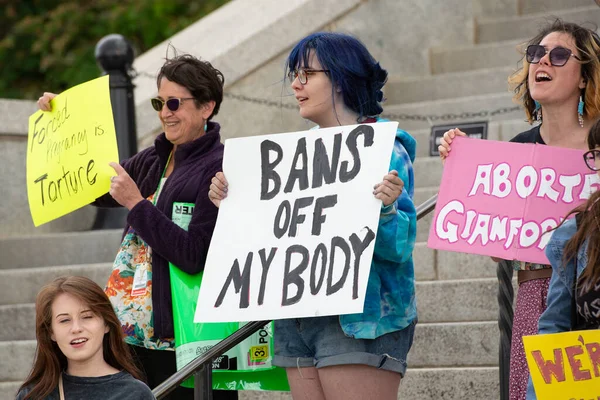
[[321, 342]]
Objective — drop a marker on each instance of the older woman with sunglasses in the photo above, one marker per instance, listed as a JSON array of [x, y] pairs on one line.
[[176, 171], [558, 87]]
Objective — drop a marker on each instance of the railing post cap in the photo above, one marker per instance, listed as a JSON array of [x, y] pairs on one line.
[[114, 52]]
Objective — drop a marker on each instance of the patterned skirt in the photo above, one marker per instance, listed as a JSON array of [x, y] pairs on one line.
[[531, 303]]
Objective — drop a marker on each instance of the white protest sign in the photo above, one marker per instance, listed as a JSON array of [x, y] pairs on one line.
[[295, 235]]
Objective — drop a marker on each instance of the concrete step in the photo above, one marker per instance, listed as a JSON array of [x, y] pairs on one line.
[[423, 115], [450, 384], [30, 280], [424, 193], [551, 6], [428, 173], [450, 265], [508, 28], [17, 360], [524, 7], [445, 345], [464, 300], [424, 224], [419, 384], [424, 261], [423, 227], [427, 384], [8, 390], [17, 321], [435, 345], [473, 57], [59, 249], [447, 86]]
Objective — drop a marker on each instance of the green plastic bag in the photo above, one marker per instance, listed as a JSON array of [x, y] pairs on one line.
[[245, 367]]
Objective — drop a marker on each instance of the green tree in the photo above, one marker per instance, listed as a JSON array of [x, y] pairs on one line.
[[49, 45]]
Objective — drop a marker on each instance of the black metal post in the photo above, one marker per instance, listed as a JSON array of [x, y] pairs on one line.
[[505, 321], [114, 56], [203, 382]]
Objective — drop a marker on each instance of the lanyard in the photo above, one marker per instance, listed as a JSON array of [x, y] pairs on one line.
[[158, 188]]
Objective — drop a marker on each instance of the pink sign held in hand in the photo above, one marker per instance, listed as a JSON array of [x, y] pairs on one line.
[[500, 199]]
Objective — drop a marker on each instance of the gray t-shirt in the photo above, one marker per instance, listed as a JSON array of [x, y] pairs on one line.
[[120, 386]]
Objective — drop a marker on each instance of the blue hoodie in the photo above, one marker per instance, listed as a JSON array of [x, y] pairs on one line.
[[390, 303]]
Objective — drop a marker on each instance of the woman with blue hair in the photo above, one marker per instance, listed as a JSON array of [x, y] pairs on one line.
[[337, 82]]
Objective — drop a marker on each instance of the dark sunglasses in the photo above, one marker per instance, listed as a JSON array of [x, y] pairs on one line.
[[590, 158], [173, 104], [558, 55]]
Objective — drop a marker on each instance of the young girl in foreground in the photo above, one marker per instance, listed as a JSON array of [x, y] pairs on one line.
[[80, 349], [359, 356]]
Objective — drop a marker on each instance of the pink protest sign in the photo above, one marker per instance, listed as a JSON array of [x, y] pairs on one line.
[[499, 199]]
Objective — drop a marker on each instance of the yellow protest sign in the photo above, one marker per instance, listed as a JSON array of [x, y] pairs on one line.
[[565, 366], [68, 151]]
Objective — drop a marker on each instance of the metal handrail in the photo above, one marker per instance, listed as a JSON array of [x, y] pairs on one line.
[[218, 349], [426, 207], [201, 366]]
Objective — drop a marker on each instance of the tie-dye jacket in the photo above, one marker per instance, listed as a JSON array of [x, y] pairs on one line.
[[390, 300]]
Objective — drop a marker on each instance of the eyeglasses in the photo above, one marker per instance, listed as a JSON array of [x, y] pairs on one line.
[[558, 55], [302, 74], [173, 104], [591, 158]]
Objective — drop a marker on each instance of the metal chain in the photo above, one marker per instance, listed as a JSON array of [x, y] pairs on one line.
[[135, 73], [264, 102], [398, 117], [452, 117]]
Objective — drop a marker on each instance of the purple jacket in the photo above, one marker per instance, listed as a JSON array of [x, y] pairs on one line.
[[195, 165]]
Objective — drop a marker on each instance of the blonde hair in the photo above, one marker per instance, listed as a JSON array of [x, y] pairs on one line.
[[588, 45]]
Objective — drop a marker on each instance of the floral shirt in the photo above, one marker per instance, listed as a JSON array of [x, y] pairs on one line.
[[129, 289], [528, 266]]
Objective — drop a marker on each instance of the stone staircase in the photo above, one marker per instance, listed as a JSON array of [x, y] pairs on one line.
[[442, 334], [455, 352], [469, 78]]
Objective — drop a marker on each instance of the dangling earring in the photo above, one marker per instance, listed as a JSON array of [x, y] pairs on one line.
[[538, 111], [580, 107]]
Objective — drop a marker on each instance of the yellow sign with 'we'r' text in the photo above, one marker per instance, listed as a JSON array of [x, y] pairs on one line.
[[565, 366], [68, 151]]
